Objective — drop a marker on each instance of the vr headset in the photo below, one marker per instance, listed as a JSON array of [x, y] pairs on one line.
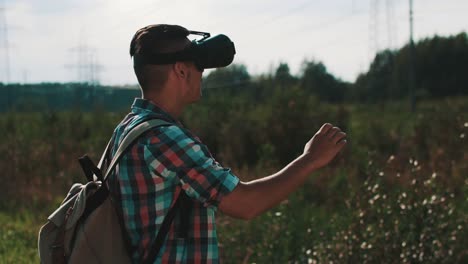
[[206, 53]]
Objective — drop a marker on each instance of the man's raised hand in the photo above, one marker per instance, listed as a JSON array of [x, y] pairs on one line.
[[324, 145]]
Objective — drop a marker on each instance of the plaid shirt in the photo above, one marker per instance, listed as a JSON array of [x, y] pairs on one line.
[[148, 179]]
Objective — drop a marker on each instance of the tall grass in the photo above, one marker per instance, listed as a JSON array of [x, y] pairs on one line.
[[424, 221], [397, 194]]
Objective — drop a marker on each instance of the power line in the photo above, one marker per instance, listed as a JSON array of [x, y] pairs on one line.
[[138, 13], [287, 13], [329, 22], [150, 10]]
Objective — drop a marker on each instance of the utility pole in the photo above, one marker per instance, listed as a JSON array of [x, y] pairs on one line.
[[87, 69], [5, 46], [382, 28], [376, 26], [411, 61], [374, 45], [391, 25], [5, 43], [87, 66], [25, 76]]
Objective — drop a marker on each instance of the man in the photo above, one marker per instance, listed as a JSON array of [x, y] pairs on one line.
[[169, 159]]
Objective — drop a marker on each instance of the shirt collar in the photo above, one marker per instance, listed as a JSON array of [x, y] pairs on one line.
[[141, 106]]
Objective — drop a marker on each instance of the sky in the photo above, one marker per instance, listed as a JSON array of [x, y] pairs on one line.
[[48, 40]]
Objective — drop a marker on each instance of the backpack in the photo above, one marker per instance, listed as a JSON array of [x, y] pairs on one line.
[[86, 227]]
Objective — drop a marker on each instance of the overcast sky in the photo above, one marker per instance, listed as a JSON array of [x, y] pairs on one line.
[[43, 36]]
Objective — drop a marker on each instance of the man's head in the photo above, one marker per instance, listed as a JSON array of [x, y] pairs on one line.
[[181, 76]]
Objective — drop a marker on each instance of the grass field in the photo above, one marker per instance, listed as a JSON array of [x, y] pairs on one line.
[[398, 194], [18, 234]]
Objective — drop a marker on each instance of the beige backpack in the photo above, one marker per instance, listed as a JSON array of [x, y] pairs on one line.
[[86, 227]]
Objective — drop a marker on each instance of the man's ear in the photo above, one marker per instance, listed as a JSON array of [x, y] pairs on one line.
[[180, 70]]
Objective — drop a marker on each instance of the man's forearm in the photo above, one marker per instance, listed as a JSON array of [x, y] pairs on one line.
[[257, 196], [271, 190]]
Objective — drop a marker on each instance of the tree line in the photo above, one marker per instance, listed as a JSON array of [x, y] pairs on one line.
[[441, 64]]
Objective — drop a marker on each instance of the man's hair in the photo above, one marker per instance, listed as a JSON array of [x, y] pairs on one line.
[[159, 38]]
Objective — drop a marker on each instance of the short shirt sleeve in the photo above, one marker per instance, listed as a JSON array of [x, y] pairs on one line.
[[174, 153]]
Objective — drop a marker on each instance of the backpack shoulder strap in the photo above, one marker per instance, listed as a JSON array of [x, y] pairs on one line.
[[129, 139], [181, 198]]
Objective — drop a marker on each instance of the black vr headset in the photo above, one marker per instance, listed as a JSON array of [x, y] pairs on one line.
[[206, 53]]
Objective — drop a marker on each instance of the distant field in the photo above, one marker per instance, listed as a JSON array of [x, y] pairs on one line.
[[396, 195]]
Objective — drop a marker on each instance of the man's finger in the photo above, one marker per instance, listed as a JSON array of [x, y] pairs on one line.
[[333, 131], [342, 143], [324, 129], [338, 136]]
